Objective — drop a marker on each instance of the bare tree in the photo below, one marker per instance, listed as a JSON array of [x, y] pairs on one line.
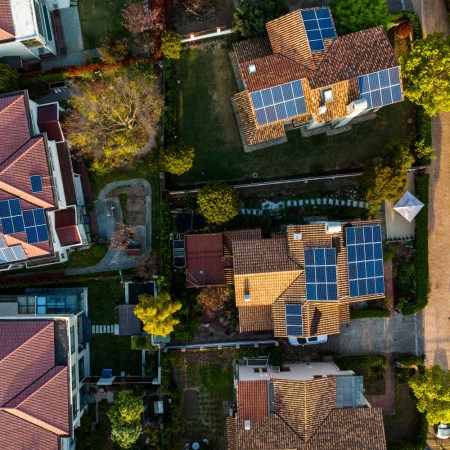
[[123, 235], [138, 17]]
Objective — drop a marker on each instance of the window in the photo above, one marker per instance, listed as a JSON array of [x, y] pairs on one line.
[[72, 339], [74, 376], [74, 405], [27, 304], [81, 370], [36, 183], [39, 18], [47, 23], [327, 95]]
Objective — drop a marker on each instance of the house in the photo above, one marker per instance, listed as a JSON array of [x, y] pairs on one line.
[[30, 30], [302, 406], [65, 312], [42, 212], [297, 283], [304, 75]]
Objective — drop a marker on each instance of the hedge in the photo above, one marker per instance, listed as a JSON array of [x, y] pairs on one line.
[[350, 362], [421, 245], [364, 313], [141, 342]]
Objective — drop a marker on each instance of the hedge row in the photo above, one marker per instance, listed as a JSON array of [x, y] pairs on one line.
[[364, 313], [421, 244], [350, 362]]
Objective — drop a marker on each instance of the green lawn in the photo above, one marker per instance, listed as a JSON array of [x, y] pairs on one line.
[[88, 257], [100, 19], [114, 352], [207, 123], [104, 296]]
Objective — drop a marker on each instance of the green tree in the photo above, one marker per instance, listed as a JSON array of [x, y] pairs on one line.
[[355, 15], [9, 79], [218, 202], [126, 436], [171, 45], [127, 409], [424, 153], [114, 118], [157, 313], [385, 178], [113, 52], [250, 17], [177, 158], [432, 390], [426, 73]]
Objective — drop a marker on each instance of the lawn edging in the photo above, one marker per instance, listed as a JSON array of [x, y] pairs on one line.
[[421, 246]]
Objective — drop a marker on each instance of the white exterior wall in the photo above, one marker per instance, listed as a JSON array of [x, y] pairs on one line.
[[16, 48]]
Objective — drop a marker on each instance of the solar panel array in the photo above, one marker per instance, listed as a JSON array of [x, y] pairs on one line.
[[319, 26], [10, 254], [14, 220], [320, 273], [365, 260], [36, 183], [294, 321], [381, 88], [279, 102]]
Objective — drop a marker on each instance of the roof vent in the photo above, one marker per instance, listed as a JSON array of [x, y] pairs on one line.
[[246, 296], [247, 424], [322, 109], [297, 236], [251, 68]]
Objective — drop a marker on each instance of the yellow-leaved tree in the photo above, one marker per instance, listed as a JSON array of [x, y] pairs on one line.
[[157, 313]]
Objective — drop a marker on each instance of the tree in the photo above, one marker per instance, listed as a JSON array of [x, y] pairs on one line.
[[426, 73], [171, 45], [404, 29], [250, 17], [432, 390], [113, 52], [147, 269], [214, 298], [9, 79], [218, 202], [139, 17], [114, 117], [424, 153], [125, 418], [157, 313], [126, 436], [385, 178], [177, 158], [355, 15]]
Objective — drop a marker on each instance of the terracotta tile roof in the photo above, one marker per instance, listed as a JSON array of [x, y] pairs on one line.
[[34, 393], [337, 67], [255, 318], [305, 418], [6, 21], [66, 170], [204, 264], [48, 122], [66, 228]]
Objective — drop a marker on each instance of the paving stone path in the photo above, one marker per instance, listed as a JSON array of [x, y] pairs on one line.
[[105, 329]]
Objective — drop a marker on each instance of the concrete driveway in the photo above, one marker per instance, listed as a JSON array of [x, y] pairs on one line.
[[381, 335]]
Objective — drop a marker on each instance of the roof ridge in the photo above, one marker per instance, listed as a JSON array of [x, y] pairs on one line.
[[289, 426], [57, 372], [29, 339], [34, 420], [19, 153], [19, 97], [24, 195]]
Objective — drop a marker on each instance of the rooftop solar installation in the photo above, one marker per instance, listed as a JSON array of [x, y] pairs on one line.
[[318, 26], [11, 254], [279, 102], [36, 183], [14, 220], [365, 260], [320, 273], [381, 88], [294, 320]]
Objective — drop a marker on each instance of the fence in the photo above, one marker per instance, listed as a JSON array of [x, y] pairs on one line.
[[215, 32]]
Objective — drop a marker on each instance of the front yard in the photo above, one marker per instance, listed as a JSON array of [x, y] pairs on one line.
[[206, 122]]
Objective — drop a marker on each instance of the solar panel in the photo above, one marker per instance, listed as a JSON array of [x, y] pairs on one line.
[[318, 26], [365, 260], [381, 88], [10, 254], [279, 102], [320, 273], [36, 183], [294, 320], [2, 242]]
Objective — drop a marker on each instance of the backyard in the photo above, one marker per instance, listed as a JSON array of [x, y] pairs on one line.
[[206, 122]]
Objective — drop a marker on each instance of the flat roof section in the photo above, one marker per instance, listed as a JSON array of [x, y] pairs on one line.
[[204, 263]]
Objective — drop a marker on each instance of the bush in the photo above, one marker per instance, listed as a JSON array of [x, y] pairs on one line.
[[350, 362], [365, 313], [404, 29], [141, 342], [421, 245], [423, 126], [177, 158], [171, 45], [408, 359], [9, 79]]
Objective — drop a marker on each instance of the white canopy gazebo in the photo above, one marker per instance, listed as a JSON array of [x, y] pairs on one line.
[[408, 206]]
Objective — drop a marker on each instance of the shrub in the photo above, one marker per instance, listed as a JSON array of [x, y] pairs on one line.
[[9, 79], [413, 19], [141, 342], [177, 158], [171, 45], [349, 362], [404, 29], [421, 245]]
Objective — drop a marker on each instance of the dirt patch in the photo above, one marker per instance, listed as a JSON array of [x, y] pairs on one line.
[[218, 14], [134, 213], [190, 410]]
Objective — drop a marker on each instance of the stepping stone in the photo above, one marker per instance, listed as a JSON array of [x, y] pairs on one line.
[[294, 203], [366, 205], [331, 201], [93, 328], [313, 202], [306, 202], [355, 204], [300, 203], [361, 204], [116, 329], [319, 201], [342, 202], [349, 203], [288, 203]]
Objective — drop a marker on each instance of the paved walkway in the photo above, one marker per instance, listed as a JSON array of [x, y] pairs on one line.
[[433, 14], [105, 329], [108, 214], [387, 401]]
